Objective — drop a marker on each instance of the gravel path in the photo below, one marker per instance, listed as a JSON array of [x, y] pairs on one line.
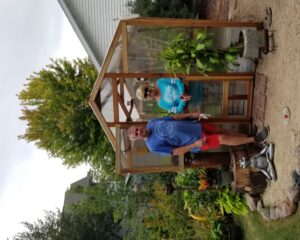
[[282, 68]]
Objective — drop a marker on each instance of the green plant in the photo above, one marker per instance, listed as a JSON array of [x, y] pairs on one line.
[[202, 202], [219, 230], [58, 116], [164, 216], [255, 227], [199, 52], [231, 202], [189, 178], [160, 8]]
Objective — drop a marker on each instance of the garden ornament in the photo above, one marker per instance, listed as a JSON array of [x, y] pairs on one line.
[[263, 162], [268, 18]]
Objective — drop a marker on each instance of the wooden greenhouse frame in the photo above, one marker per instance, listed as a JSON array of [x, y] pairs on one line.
[[118, 86]]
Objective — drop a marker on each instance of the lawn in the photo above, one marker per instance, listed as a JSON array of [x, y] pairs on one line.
[[256, 228]]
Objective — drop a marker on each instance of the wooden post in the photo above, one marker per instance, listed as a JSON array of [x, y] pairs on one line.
[[124, 47], [225, 99], [250, 98], [127, 124], [171, 22], [247, 76], [115, 99]]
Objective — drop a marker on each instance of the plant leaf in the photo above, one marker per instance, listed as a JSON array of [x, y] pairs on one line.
[[200, 46], [200, 64]]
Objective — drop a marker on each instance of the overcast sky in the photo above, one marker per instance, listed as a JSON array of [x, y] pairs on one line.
[[32, 31]]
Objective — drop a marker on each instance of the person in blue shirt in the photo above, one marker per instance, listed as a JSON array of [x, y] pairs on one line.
[[169, 93], [176, 135]]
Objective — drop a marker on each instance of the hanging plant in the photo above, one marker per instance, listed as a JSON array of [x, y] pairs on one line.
[[198, 52]]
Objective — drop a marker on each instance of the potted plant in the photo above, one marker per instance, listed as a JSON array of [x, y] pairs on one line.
[[251, 42], [200, 53]]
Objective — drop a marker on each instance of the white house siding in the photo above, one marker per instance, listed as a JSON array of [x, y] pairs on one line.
[[95, 22]]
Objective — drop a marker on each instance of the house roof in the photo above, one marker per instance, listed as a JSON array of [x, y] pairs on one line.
[[95, 22]]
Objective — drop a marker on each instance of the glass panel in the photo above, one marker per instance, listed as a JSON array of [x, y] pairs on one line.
[[113, 130], [237, 88], [116, 62], [206, 97], [237, 103], [146, 109], [143, 158], [106, 100], [129, 95], [135, 155], [145, 45], [237, 107]]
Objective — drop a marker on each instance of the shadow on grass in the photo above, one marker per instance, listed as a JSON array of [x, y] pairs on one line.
[[256, 228]]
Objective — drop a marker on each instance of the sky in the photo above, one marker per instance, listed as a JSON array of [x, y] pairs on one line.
[[32, 32]]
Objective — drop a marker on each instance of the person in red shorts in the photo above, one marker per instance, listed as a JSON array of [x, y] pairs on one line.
[[210, 137], [176, 135]]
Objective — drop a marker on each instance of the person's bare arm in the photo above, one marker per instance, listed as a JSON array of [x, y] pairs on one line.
[[187, 148], [182, 116]]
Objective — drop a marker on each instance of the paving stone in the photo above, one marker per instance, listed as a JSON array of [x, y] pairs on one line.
[[259, 123], [263, 79], [261, 115], [254, 113], [263, 100], [259, 100], [256, 99], [262, 88], [257, 82]]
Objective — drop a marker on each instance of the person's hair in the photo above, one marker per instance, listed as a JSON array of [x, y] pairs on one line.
[[140, 93], [130, 137]]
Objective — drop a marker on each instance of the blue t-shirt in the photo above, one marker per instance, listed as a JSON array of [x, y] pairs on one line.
[[171, 90], [168, 133]]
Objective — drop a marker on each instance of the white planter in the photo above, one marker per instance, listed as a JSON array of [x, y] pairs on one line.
[[253, 41]]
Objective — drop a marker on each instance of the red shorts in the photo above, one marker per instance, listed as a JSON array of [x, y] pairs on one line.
[[209, 137]]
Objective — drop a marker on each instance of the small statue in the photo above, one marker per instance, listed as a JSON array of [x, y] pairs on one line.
[[263, 162]]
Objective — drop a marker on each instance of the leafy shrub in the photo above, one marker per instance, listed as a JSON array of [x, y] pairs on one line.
[[219, 230], [199, 52], [189, 178], [231, 203], [160, 8]]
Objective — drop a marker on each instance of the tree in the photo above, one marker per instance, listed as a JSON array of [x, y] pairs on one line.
[[59, 119], [161, 8], [61, 226], [110, 194]]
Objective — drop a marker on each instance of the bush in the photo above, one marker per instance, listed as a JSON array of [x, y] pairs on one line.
[[200, 53], [160, 8]]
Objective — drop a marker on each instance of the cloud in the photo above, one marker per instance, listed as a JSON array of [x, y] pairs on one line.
[[28, 37], [65, 49], [32, 31], [38, 184]]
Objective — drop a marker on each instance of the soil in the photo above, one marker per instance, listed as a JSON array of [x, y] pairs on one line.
[[282, 69]]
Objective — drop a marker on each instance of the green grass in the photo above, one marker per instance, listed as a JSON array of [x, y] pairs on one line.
[[255, 228]]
